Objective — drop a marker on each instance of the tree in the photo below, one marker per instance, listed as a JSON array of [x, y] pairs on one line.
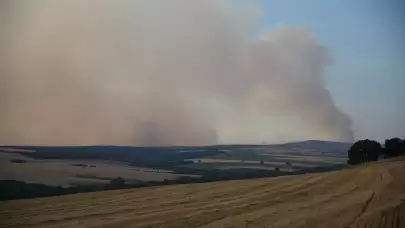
[[394, 147], [364, 151], [118, 182], [402, 152]]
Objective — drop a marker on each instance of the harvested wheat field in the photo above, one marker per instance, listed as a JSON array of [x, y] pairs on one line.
[[370, 195]]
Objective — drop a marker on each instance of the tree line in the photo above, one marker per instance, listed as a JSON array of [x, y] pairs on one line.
[[364, 151]]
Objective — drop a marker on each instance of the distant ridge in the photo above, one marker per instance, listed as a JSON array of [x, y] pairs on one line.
[[319, 145]]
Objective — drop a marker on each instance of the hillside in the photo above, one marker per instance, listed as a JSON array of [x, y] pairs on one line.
[[96, 165], [366, 196]]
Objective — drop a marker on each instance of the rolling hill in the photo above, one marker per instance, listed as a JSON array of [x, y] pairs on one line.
[[58, 165], [371, 195]]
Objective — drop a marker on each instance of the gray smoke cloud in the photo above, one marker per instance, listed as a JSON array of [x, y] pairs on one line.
[[155, 72]]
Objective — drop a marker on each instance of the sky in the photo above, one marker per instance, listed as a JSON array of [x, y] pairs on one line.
[[367, 42], [181, 72]]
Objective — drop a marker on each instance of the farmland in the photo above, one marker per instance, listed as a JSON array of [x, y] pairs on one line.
[[369, 195], [72, 172], [67, 166]]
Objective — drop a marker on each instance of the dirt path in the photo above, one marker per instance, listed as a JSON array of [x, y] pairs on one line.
[[366, 196]]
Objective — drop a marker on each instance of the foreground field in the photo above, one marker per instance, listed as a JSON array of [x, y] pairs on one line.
[[367, 196]]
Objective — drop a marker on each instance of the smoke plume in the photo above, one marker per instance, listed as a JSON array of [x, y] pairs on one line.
[[155, 72]]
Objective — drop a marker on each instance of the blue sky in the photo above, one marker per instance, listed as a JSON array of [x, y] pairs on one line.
[[367, 41]]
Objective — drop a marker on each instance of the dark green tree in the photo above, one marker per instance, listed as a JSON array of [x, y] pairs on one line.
[[394, 147], [118, 182], [364, 151], [402, 147]]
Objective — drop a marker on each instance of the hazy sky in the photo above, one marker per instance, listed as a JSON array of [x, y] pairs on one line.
[[181, 72], [367, 41]]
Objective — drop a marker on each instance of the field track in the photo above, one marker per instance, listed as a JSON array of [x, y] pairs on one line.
[[370, 195]]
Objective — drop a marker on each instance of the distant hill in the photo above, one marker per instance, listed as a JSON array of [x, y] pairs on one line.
[[171, 154]]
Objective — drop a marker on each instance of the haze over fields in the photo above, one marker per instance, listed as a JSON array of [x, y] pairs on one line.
[[202, 113]]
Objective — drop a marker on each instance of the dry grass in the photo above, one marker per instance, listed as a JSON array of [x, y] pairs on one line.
[[365, 196]]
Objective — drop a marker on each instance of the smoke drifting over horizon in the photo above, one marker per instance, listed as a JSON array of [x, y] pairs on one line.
[[158, 73]]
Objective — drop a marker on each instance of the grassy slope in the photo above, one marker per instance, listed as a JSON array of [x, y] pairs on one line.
[[366, 196]]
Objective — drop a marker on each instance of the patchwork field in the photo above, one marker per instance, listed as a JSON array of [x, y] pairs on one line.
[[75, 172], [99, 164], [370, 195], [271, 157]]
